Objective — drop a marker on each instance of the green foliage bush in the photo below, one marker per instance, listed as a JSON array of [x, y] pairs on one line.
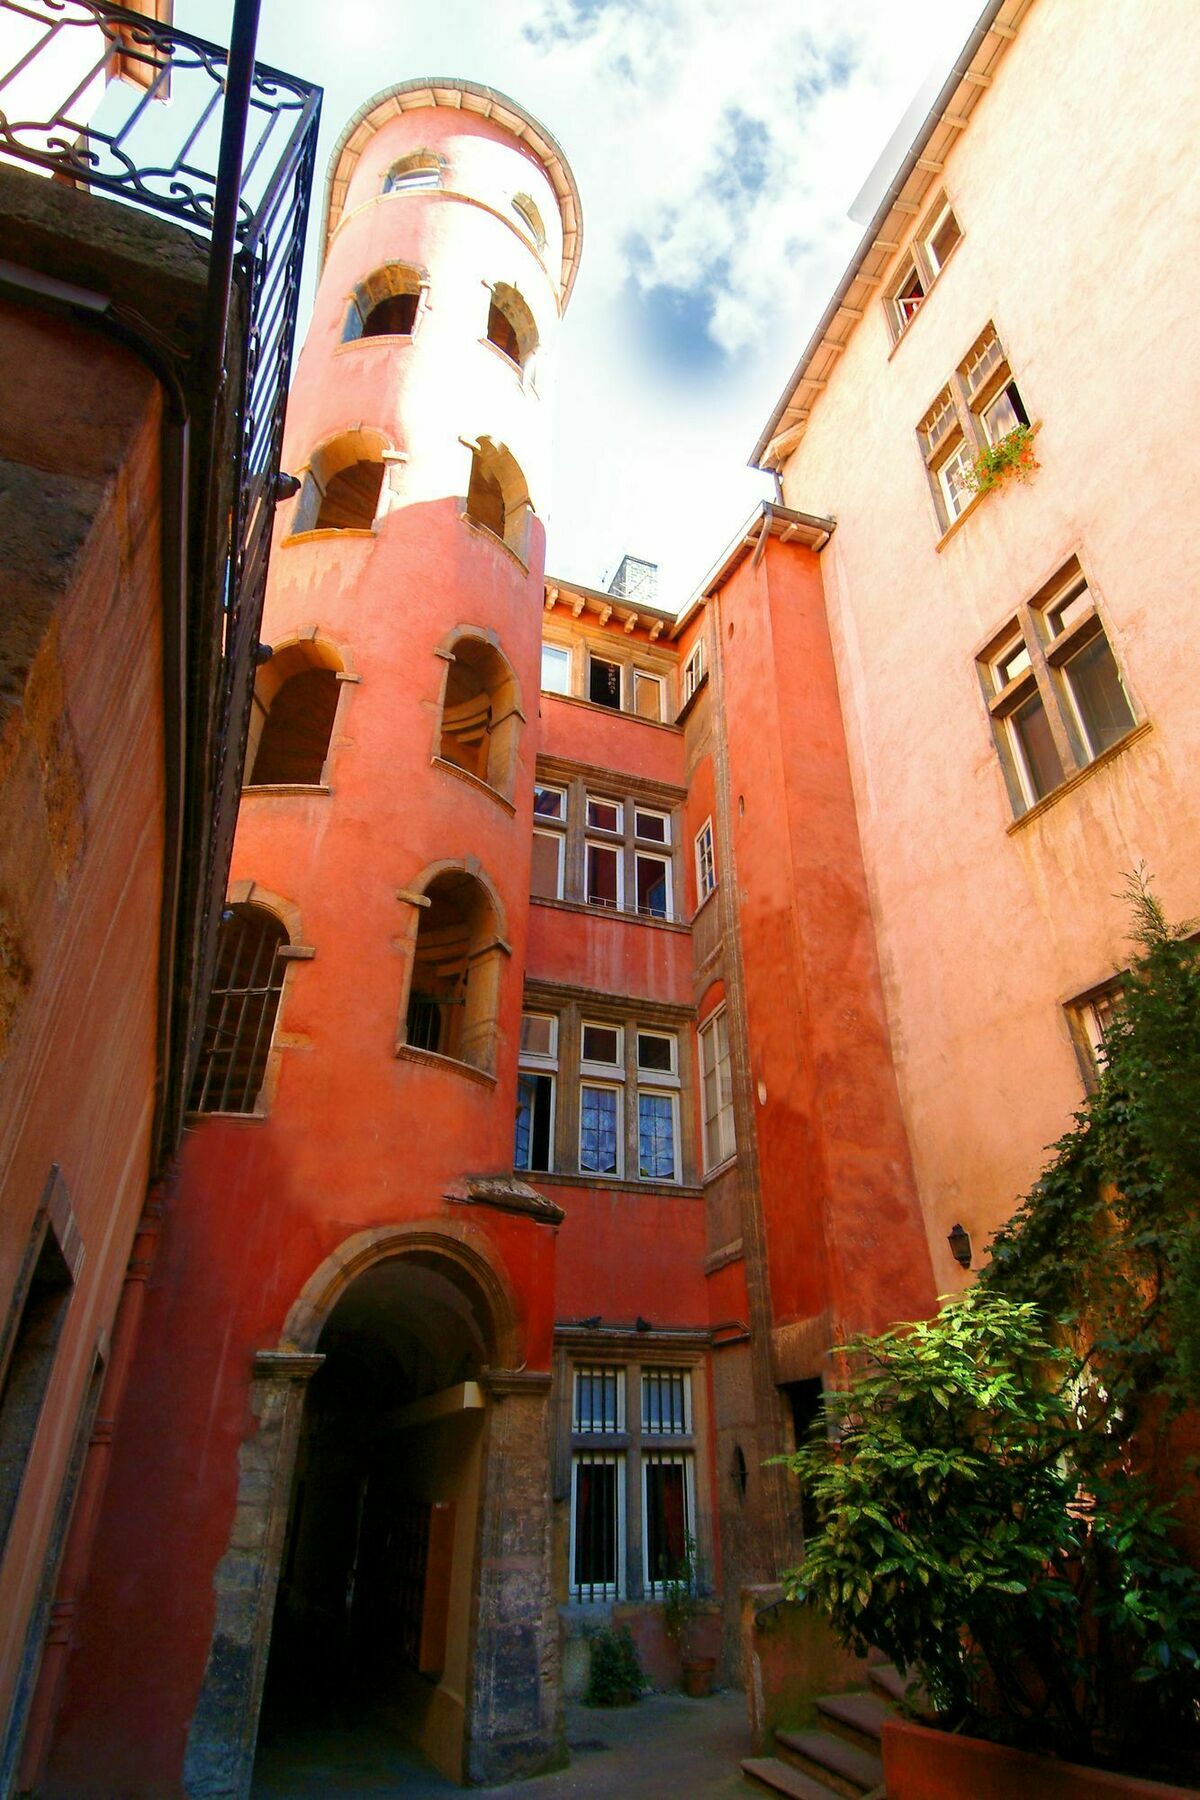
[[989, 1481], [615, 1675]]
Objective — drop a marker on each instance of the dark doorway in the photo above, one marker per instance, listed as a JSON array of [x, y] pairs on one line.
[[371, 1629]]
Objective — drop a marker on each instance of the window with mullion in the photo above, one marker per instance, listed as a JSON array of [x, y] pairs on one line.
[[600, 1128], [597, 1525], [658, 1134], [667, 1515], [1055, 694]]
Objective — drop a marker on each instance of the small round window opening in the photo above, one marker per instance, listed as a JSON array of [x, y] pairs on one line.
[[531, 218]]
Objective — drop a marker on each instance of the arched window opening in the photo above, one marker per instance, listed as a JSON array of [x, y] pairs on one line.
[[343, 484], [454, 994], [531, 218], [295, 700], [481, 719], [351, 497], [413, 174], [384, 305], [241, 1011], [498, 497], [485, 498], [510, 325], [502, 332]]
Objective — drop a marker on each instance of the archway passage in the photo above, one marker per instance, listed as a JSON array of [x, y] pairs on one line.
[[372, 1621]]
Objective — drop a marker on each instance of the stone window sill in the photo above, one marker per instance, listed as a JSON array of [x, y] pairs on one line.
[[1080, 776], [974, 502], [268, 788], [493, 537], [451, 1064], [327, 531], [609, 912], [614, 712], [925, 297], [721, 1168], [474, 781], [621, 1183]]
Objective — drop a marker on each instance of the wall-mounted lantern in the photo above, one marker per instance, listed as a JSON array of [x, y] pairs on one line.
[[959, 1241]]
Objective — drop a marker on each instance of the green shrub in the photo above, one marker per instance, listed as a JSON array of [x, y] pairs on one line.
[[989, 1482], [615, 1675]]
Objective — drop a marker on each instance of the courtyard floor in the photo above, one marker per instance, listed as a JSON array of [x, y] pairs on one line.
[[665, 1748]]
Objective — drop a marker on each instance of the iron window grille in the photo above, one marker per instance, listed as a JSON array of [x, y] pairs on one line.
[[242, 1009]]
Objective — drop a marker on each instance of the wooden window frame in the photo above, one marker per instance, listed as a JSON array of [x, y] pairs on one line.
[[1046, 676]]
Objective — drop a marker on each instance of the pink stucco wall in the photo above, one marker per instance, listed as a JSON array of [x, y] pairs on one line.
[[1075, 191]]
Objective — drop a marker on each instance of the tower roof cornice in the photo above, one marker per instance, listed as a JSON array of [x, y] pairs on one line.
[[462, 96]]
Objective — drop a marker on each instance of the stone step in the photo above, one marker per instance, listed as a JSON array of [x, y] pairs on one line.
[[841, 1765], [856, 1717], [895, 1686], [783, 1778]]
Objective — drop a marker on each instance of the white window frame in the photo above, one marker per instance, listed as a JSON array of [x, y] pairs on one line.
[[648, 1431], [563, 650], [956, 495], [936, 263], [621, 1371], [537, 1059], [588, 1065], [607, 1085], [614, 848], [660, 1091], [706, 862], [640, 856], [611, 831], [726, 1150], [652, 812], [539, 1066], [559, 838], [604, 1590], [610, 662], [657, 1077], [541, 818], [693, 670], [653, 1585], [660, 685]]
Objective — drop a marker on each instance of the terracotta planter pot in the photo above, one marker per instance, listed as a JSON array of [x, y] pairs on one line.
[[919, 1764], [698, 1676]]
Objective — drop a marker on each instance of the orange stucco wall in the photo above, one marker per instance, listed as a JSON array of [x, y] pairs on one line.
[[81, 861], [840, 1215], [985, 928], [351, 1136]]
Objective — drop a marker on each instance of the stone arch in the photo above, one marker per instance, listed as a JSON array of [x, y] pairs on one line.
[[295, 703], [456, 948], [481, 714], [511, 326], [386, 303], [498, 496], [345, 483], [457, 1243]]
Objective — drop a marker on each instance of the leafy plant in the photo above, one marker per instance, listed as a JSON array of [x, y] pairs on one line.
[[1010, 455], [615, 1675], [681, 1596], [990, 1482]]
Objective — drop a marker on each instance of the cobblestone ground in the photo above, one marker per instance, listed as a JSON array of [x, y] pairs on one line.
[[665, 1748]]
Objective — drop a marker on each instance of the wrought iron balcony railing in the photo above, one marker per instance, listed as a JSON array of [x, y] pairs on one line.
[[230, 157]]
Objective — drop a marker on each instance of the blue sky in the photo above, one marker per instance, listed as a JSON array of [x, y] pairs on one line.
[[718, 146]]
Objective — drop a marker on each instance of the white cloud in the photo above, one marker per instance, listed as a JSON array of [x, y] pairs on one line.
[[651, 100]]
